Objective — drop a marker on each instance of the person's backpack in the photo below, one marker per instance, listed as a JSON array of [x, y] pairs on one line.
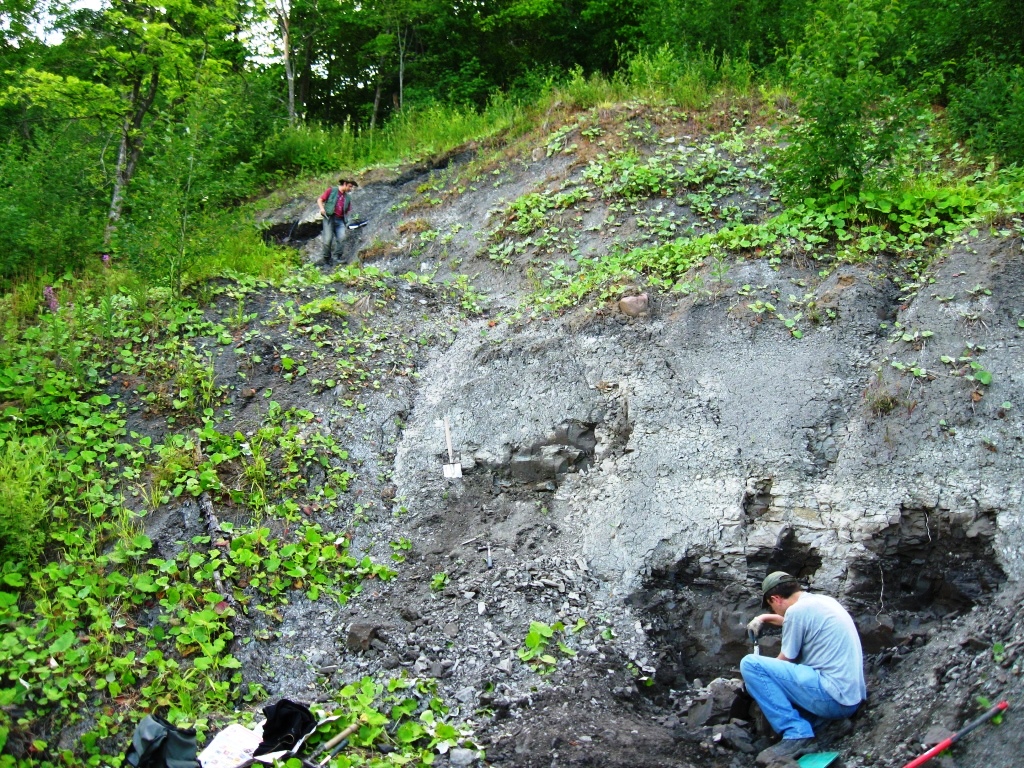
[[158, 744], [288, 722]]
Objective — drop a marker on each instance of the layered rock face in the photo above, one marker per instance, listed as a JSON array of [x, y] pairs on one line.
[[694, 448]]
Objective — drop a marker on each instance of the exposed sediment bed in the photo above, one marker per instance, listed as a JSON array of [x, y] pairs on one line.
[[723, 449], [723, 443]]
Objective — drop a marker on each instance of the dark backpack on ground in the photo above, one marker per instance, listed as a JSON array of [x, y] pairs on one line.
[[158, 744], [287, 722]]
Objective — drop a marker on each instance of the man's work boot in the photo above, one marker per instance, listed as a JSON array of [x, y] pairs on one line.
[[832, 731], [787, 748]]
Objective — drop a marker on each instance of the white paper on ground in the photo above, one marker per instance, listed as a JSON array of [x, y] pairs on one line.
[[232, 747]]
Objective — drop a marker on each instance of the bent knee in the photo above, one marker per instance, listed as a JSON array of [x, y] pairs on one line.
[[748, 663]]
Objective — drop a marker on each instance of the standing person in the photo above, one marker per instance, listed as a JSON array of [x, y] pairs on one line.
[[819, 675], [338, 204]]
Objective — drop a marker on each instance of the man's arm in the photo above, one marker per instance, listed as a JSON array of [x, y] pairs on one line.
[[320, 202], [767, 618], [792, 635]]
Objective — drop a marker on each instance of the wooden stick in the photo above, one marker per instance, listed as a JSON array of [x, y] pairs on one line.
[[213, 528], [448, 439], [338, 739]]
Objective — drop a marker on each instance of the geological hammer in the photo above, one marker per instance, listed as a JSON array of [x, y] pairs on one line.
[[753, 640]]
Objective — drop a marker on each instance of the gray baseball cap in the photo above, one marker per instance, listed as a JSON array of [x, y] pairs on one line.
[[772, 580]]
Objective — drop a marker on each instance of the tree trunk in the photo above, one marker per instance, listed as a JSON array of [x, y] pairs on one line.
[[376, 104], [284, 23], [305, 75], [401, 68], [129, 149]]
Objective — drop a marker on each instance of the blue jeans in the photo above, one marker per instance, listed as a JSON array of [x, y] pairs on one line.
[[788, 693], [335, 230]]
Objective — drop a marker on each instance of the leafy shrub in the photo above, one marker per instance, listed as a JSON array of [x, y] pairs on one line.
[[662, 72], [854, 116], [25, 480], [306, 149], [411, 133], [233, 246], [581, 92], [50, 215], [988, 111], [690, 78]]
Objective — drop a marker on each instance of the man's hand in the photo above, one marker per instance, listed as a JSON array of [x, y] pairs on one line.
[[757, 623]]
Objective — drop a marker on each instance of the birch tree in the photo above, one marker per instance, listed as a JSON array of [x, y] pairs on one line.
[[281, 13], [153, 58]]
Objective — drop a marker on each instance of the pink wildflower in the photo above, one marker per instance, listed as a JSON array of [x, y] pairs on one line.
[[51, 298]]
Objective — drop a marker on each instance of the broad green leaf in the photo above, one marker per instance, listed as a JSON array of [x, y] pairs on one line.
[[541, 629], [446, 732], [63, 642], [408, 732]]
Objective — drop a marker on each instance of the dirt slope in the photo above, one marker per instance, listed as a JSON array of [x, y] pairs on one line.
[[643, 473]]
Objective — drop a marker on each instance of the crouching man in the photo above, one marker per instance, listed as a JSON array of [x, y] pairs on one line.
[[818, 676]]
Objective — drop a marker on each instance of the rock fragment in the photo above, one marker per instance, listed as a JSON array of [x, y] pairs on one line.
[[732, 736], [360, 635], [634, 306], [876, 632]]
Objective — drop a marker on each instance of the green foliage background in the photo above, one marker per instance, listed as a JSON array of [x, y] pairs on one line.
[[25, 477], [389, 79]]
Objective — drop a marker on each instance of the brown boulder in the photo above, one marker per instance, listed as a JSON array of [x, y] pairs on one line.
[[634, 306]]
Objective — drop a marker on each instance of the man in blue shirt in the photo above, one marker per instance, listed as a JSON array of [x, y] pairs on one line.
[[819, 675]]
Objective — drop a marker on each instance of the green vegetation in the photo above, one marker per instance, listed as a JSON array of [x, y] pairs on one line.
[[948, 196], [438, 581], [535, 646], [400, 722], [112, 411], [25, 482]]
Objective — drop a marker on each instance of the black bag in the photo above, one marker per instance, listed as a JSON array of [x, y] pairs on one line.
[[287, 723], [158, 744]]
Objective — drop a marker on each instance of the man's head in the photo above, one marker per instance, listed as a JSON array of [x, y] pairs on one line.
[[346, 185], [776, 590]]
